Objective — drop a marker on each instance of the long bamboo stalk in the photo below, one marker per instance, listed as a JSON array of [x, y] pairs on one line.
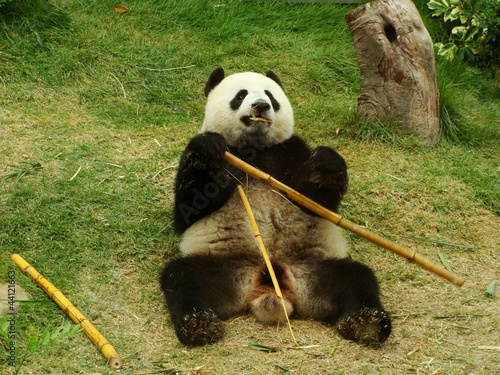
[[342, 222], [265, 255], [114, 360]]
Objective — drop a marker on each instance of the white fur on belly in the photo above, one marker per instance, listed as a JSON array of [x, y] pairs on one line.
[[286, 230]]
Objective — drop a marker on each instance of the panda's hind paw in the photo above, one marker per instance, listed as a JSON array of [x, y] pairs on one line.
[[200, 328], [368, 326]]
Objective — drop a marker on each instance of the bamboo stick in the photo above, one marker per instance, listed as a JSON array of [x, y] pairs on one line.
[[342, 222], [114, 360], [263, 250]]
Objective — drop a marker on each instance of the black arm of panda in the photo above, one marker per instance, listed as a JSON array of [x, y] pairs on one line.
[[203, 184], [320, 174]]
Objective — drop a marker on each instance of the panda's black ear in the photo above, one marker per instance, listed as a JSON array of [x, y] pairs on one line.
[[274, 77], [215, 78]]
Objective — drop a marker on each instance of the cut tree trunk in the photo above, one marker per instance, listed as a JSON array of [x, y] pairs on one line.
[[398, 74]]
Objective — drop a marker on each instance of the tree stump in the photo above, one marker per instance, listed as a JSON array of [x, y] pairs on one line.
[[398, 74]]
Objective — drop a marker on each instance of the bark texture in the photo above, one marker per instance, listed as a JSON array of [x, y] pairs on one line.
[[398, 74]]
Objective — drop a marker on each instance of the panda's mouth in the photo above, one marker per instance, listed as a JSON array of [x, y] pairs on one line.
[[254, 120]]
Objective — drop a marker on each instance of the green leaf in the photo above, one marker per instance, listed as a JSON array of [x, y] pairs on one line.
[[455, 316], [470, 34], [444, 261], [437, 7], [70, 328], [66, 328], [4, 330], [448, 51], [450, 17], [45, 338], [490, 288], [262, 348], [33, 344], [441, 242], [55, 333], [4, 325], [22, 172], [459, 31], [285, 370], [455, 12]]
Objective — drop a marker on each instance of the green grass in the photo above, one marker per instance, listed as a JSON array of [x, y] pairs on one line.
[[106, 102]]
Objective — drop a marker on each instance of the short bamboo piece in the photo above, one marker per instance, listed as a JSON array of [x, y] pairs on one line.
[[114, 360], [342, 222], [263, 250]]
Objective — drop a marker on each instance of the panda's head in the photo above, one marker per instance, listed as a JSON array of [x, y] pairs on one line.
[[248, 109]]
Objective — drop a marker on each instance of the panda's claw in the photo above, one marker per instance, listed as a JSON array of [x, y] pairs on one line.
[[207, 149], [328, 169], [368, 326], [200, 328], [325, 160]]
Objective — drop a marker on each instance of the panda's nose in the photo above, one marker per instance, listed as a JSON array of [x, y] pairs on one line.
[[260, 107]]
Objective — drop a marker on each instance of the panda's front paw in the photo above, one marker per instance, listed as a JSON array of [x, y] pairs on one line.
[[367, 326], [200, 328], [325, 160], [328, 168], [207, 150]]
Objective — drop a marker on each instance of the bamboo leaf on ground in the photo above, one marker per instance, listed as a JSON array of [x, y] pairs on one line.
[[284, 370], [490, 288], [444, 261], [441, 242], [262, 348]]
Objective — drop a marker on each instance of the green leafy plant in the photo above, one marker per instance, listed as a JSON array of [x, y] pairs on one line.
[[37, 341], [473, 30]]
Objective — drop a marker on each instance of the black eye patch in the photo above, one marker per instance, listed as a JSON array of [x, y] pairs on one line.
[[238, 99], [274, 102]]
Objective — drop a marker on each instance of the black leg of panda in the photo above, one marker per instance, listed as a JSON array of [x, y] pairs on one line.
[[202, 290], [345, 294]]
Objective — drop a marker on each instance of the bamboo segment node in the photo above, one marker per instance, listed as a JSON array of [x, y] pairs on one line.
[[265, 254], [342, 222], [114, 360]]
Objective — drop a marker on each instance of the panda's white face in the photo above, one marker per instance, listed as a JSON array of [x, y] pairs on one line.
[[248, 109]]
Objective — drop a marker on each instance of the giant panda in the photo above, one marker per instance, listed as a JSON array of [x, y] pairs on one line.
[[221, 272]]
